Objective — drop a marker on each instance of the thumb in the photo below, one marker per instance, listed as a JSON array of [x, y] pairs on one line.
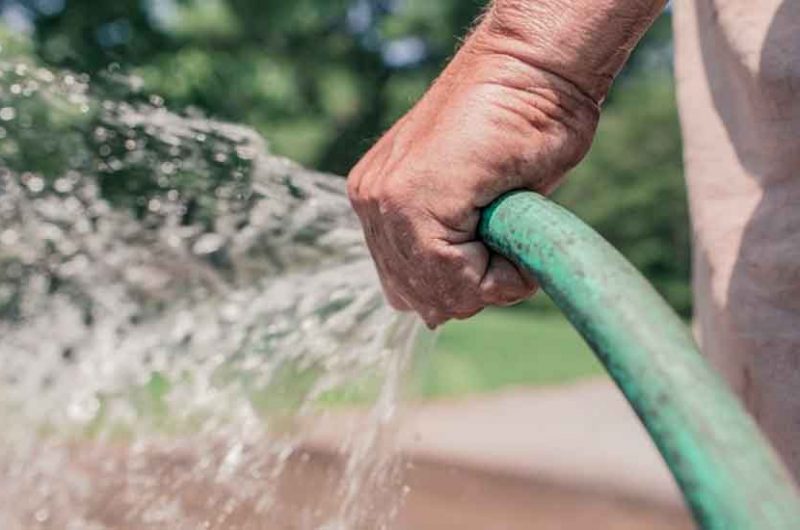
[[504, 283]]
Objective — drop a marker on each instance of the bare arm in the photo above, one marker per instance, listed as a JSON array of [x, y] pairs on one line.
[[516, 108], [584, 41]]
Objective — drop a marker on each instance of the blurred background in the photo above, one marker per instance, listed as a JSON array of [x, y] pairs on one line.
[[322, 79], [513, 392]]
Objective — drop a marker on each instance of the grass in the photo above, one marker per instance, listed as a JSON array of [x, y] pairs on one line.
[[525, 346], [498, 349], [503, 348]]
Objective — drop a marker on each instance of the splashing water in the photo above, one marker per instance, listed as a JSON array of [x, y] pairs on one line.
[[174, 305]]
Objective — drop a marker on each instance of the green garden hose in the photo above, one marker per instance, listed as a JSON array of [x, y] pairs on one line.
[[729, 474]]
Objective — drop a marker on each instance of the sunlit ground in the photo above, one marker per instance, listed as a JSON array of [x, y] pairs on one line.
[[494, 351], [502, 348]]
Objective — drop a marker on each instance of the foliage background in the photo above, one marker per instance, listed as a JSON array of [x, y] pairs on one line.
[[321, 79]]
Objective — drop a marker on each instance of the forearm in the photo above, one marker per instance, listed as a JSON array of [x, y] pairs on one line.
[[516, 108], [586, 42]]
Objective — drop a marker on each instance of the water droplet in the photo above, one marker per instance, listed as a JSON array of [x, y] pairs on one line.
[[245, 152], [168, 168], [8, 113], [30, 88], [45, 75], [63, 185], [35, 184], [208, 244], [8, 237], [83, 408]]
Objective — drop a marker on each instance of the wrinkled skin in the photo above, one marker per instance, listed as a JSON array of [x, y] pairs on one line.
[[489, 125], [499, 118]]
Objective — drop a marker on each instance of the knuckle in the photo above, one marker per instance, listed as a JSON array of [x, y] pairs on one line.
[[506, 295], [450, 262], [355, 191], [456, 302], [394, 194], [434, 318], [464, 315], [396, 303]]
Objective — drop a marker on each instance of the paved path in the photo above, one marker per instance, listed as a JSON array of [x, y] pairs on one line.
[[582, 435], [566, 458]]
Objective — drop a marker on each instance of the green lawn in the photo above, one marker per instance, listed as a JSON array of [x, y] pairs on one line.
[[502, 348]]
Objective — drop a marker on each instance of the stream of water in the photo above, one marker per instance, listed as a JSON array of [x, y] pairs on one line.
[[176, 307]]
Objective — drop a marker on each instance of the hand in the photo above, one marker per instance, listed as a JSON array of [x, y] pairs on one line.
[[490, 124]]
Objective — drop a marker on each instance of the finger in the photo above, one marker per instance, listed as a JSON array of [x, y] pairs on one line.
[[393, 296], [431, 314], [474, 261], [504, 283], [444, 282], [527, 277], [373, 161], [468, 314], [432, 318], [400, 270], [403, 284]]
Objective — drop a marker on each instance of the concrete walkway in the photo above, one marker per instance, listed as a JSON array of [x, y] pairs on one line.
[[582, 435]]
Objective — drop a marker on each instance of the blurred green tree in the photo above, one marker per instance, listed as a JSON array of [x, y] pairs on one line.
[[322, 79], [319, 78], [630, 187]]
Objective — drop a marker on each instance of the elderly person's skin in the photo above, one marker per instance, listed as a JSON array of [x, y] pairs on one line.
[[516, 108], [738, 73]]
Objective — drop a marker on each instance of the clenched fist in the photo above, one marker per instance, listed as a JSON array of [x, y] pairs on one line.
[[490, 124], [496, 120]]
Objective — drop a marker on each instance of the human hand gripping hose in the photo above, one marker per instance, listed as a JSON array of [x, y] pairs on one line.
[[729, 475]]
